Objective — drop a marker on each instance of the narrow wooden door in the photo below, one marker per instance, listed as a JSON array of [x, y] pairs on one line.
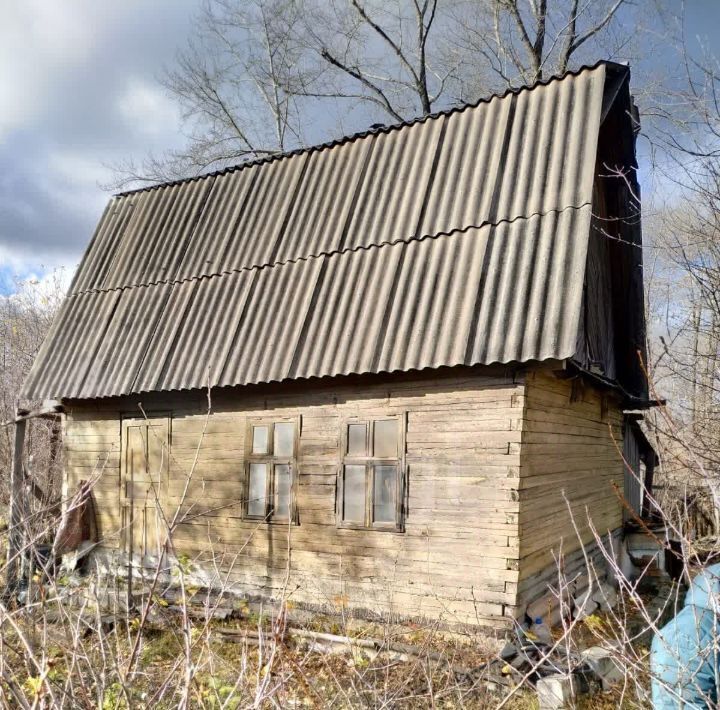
[[145, 452]]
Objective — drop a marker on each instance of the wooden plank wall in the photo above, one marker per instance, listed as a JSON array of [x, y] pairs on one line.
[[457, 559], [567, 446]]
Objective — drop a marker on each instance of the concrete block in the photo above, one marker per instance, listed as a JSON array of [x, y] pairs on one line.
[[555, 692], [603, 663], [605, 596], [581, 582], [584, 605]]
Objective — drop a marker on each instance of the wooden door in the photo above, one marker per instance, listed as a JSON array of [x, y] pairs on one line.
[[145, 452]]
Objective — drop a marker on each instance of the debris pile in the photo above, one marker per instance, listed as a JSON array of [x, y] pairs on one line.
[[557, 672]]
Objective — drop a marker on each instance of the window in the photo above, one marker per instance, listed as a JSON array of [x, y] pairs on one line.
[[270, 472], [371, 478]]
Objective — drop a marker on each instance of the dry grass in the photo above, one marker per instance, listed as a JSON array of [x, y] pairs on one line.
[[70, 652]]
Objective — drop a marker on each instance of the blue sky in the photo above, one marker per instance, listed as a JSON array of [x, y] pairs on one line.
[[79, 91]]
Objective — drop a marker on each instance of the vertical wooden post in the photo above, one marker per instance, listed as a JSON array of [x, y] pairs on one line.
[[15, 536]]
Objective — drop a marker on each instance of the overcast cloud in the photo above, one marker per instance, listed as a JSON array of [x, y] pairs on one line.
[[78, 89]]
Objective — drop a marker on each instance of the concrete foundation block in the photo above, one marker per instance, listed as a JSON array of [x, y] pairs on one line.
[[584, 605], [556, 692], [605, 596], [604, 664]]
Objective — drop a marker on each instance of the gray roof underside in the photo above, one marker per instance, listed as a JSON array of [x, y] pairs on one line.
[[457, 239]]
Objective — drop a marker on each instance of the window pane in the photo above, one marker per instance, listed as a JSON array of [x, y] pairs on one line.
[[257, 489], [357, 439], [354, 494], [385, 437], [284, 439], [260, 440], [385, 493], [282, 491]]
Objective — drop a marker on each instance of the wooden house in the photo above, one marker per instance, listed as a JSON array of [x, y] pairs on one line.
[[388, 372]]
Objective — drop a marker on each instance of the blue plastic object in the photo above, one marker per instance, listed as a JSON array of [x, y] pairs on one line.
[[685, 653]]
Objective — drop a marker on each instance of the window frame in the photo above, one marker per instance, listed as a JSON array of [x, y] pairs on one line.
[[370, 462], [271, 460]]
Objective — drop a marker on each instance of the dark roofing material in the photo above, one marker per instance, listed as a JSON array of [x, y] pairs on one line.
[[456, 239]]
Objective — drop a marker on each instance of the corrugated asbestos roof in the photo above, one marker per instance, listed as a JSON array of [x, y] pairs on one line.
[[457, 239]]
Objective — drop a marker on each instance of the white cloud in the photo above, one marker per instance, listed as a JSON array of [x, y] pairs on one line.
[[38, 40], [33, 265], [77, 93], [76, 167], [147, 109], [50, 283]]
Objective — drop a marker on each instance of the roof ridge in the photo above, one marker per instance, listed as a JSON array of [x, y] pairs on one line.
[[327, 145], [335, 252]]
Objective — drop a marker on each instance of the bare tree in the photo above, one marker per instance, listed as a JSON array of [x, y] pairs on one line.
[[684, 345], [25, 317], [233, 84], [522, 41], [265, 76], [382, 54]]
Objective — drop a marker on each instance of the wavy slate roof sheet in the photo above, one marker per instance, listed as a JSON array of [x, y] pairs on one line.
[[460, 238]]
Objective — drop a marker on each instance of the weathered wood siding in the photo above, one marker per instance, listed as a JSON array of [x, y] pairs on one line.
[[571, 445], [458, 557]]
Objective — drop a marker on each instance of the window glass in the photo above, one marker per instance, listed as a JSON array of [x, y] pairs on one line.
[[354, 494], [371, 482], [260, 440], [385, 439], [384, 494], [282, 491], [257, 489], [357, 439], [284, 439]]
